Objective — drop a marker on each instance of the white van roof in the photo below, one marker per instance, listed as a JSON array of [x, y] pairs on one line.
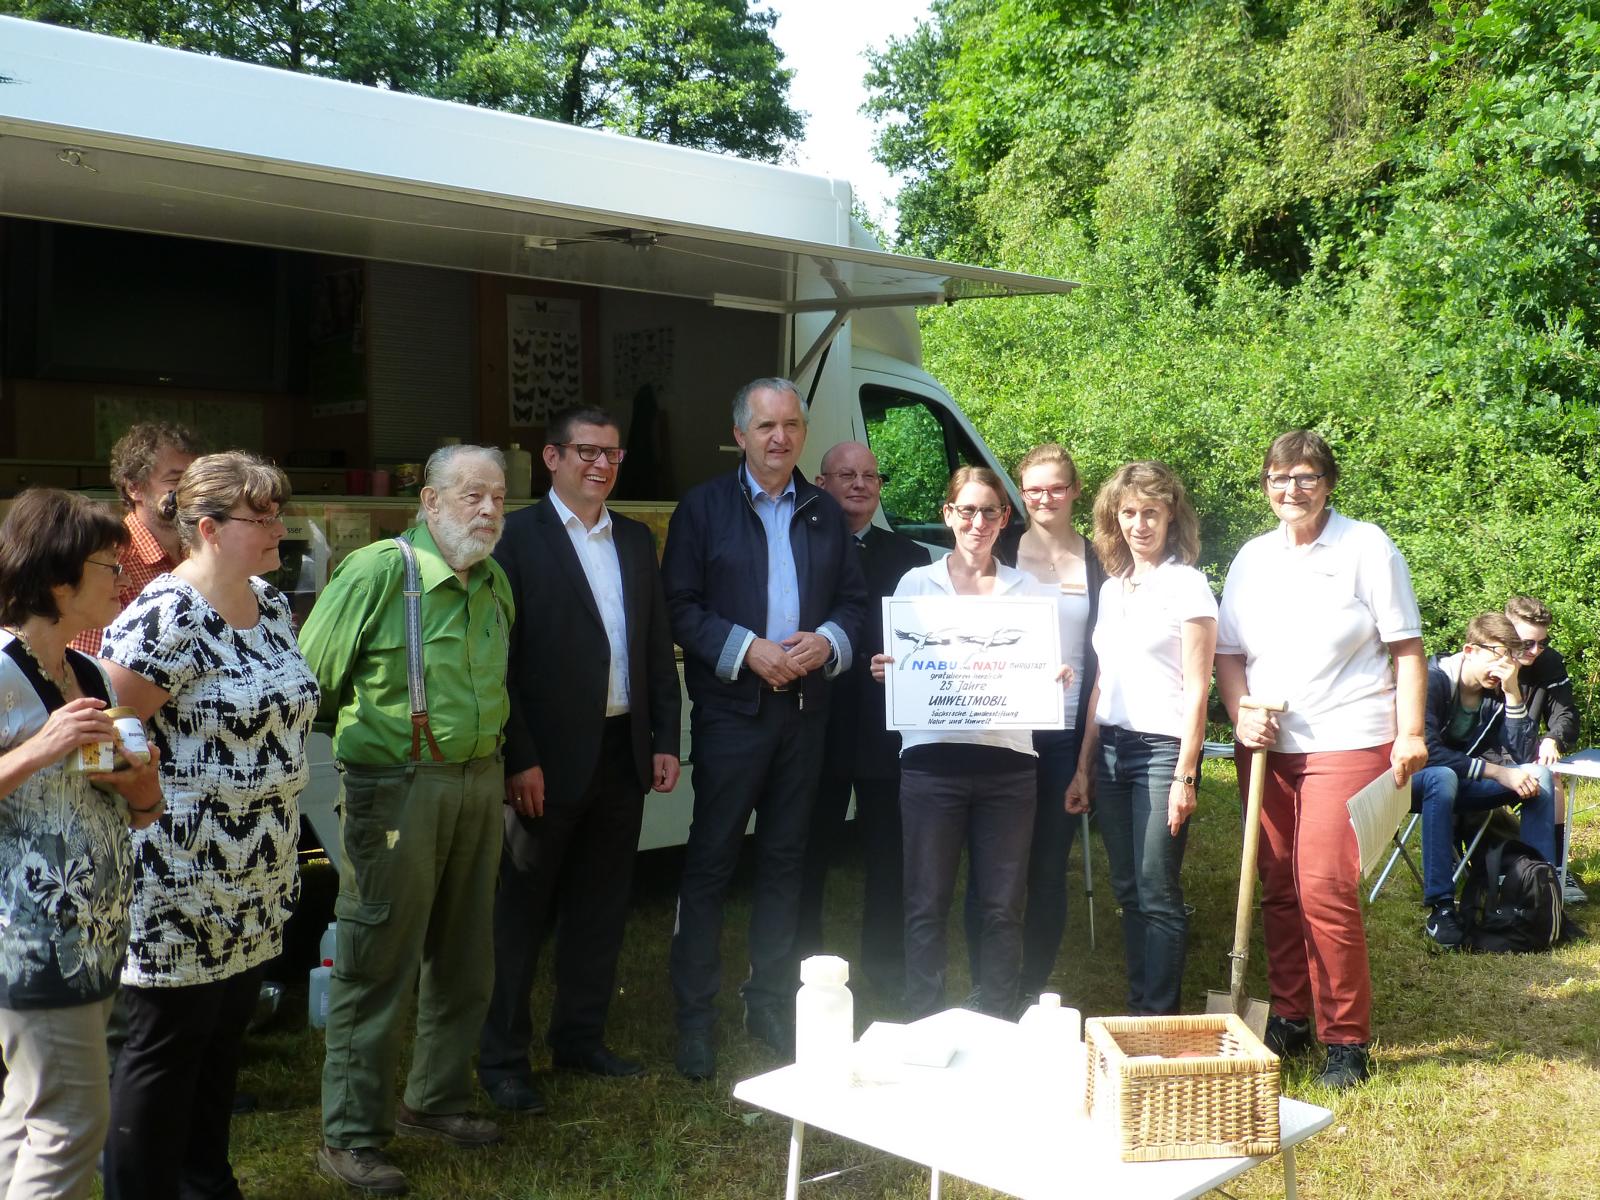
[[101, 131]]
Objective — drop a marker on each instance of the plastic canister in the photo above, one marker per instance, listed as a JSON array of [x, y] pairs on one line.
[[330, 940], [519, 472], [317, 996], [132, 743], [824, 1018], [1054, 1044]]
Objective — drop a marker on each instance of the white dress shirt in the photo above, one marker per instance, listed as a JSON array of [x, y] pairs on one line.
[[597, 552]]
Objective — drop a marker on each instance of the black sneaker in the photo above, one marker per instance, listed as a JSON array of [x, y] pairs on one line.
[[1443, 927], [1346, 1067], [1286, 1038]]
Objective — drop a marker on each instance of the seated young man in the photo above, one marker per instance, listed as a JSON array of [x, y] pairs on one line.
[[1547, 691], [1480, 752]]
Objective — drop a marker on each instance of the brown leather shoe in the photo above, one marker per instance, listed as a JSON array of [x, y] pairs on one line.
[[459, 1129], [365, 1168]]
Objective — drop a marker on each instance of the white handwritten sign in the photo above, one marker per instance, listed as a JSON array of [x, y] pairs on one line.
[[973, 662]]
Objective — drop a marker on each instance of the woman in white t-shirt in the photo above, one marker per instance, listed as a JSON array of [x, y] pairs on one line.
[[1064, 565], [1154, 637], [969, 789]]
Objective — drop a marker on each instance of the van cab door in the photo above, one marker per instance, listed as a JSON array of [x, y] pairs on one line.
[[919, 437]]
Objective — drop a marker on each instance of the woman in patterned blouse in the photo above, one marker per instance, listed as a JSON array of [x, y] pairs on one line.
[[66, 868], [207, 654]]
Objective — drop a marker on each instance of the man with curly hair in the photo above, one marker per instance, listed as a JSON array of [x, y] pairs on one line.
[[146, 464]]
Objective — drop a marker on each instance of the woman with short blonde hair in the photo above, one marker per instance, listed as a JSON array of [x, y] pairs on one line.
[[207, 655]]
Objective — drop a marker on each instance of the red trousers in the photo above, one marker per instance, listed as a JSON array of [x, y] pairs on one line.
[[1311, 888]]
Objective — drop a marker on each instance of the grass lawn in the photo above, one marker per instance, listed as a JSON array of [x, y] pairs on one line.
[[1487, 1084]]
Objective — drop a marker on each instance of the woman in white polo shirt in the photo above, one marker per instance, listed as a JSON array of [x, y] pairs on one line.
[[1154, 636], [971, 789], [1319, 612]]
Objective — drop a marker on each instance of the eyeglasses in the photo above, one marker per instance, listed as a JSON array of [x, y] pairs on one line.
[[114, 567], [262, 522], [870, 478], [1495, 652], [1280, 483], [1056, 491], [588, 453], [1532, 646], [970, 512]]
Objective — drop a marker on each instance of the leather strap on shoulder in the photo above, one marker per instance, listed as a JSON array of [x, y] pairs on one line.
[[415, 683]]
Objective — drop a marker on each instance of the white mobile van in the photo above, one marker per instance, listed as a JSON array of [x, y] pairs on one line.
[[343, 277]]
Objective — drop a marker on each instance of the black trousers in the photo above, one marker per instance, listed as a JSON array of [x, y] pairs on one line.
[[882, 959], [1054, 829], [172, 1092], [769, 763], [991, 817], [569, 871]]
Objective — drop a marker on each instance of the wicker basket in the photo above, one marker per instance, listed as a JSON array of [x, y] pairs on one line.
[[1220, 1106]]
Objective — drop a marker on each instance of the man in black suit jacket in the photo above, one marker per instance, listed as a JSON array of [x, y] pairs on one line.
[[860, 753], [594, 725], [766, 598]]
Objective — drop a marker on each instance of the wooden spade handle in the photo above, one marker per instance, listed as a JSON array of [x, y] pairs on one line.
[[1243, 916]]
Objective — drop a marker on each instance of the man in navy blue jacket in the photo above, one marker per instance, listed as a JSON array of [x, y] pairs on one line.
[[1480, 756], [766, 598]]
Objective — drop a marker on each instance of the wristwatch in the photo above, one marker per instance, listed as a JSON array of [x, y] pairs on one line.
[[1186, 780]]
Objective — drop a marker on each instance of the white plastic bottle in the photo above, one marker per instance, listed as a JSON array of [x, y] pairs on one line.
[[824, 1019], [317, 996], [330, 941], [1054, 1039]]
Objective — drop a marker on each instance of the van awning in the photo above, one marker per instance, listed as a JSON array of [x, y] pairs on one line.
[[104, 132]]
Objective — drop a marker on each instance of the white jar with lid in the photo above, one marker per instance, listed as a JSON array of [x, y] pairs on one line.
[[824, 1019], [132, 743]]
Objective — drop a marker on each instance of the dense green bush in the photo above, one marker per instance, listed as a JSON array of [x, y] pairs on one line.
[[1373, 218]]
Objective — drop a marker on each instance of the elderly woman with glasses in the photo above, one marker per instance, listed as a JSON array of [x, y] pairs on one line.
[[1154, 637], [207, 654], [970, 788], [66, 863], [1319, 612]]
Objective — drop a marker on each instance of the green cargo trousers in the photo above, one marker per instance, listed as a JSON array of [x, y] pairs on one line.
[[421, 848]]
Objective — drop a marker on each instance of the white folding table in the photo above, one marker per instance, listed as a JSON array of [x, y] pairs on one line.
[[1584, 764], [996, 1116]]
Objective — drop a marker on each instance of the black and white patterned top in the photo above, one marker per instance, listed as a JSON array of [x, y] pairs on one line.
[[66, 867], [215, 876]]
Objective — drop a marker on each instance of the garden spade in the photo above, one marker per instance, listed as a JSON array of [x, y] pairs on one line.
[[1252, 1011]]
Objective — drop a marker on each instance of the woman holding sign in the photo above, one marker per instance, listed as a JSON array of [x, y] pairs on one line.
[[1156, 631], [969, 787]]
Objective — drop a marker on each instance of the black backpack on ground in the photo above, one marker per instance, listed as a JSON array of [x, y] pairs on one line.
[[1512, 901]]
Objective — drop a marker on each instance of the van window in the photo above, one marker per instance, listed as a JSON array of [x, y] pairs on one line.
[[917, 445]]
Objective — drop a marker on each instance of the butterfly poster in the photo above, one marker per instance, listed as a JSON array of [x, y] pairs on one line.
[[544, 363]]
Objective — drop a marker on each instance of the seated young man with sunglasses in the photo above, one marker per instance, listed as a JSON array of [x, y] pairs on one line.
[[1547, 691], [1480, 756]]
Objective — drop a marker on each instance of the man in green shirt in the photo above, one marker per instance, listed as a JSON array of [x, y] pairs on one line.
[[420, 819]]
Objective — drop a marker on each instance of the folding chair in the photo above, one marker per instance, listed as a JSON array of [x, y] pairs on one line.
[[1403, 836]]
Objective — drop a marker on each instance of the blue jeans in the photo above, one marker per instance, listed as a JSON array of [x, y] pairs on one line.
[[1441, 794], [1135, 772]]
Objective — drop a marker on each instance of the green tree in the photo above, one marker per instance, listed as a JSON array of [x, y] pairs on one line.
[[701, 73], [1377, 218]]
